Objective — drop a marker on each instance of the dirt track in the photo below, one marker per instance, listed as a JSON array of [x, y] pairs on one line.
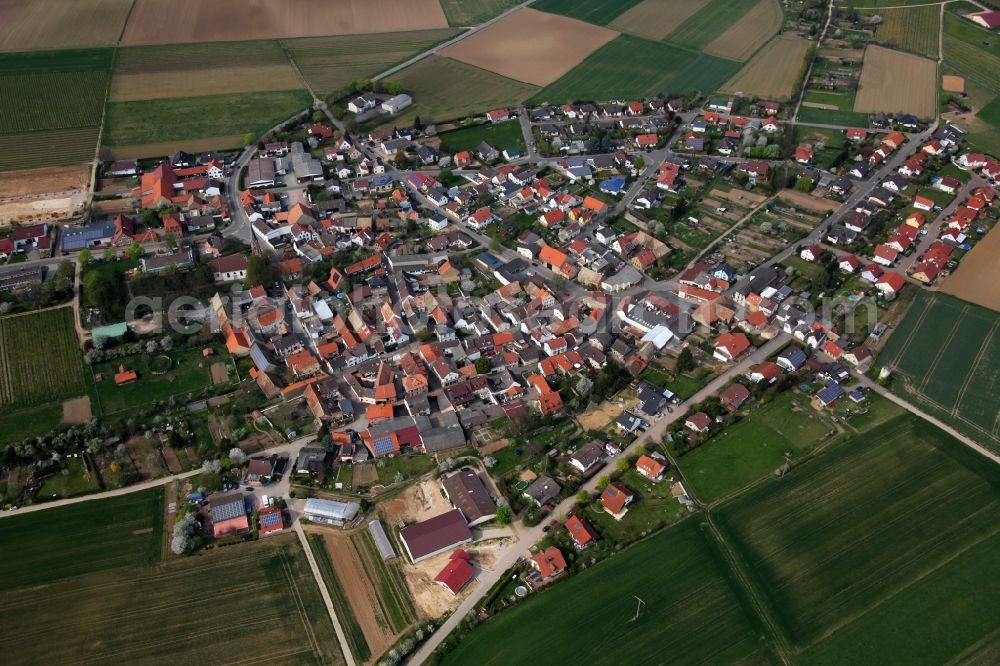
[[182, 21], [531, 46]]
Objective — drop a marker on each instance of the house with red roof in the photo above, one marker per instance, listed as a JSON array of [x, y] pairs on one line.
[[616, 500], [885, 255], [729, 346], [804, 154], [856, 134], [549, 562], [848, 263], [890, 283], [765, 372], [650, 467], [580, 531]]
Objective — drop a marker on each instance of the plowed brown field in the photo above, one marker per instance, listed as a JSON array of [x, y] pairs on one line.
[[179, 21], [531, 46]]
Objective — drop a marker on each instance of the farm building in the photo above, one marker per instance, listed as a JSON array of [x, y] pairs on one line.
[[457, 573], [435, 535], [467, 493], [229, 515], [330, 512], [396, 104], [90, 235]]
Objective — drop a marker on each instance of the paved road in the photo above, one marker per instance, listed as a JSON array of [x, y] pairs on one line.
[[531, 535]]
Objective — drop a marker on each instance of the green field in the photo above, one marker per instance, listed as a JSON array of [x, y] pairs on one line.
[[188, 373], [708, 23], [850, 529], [972, 51], [255, 601], [991, 113], [32, 150], [652, 509], [48, 90], [844, 115], [473, 12], [178, 118], [446, 89], [330, 63], [914, 29], [946, 358], [30, 422], [40, 358], [704, 74], [754, 447], [502, 135], [692, 613], [601, 12], [602, 76], [99, 535]]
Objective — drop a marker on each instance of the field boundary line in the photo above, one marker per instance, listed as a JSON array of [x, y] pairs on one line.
[[975, 362], [299, 605], [943, 348], [961, 656], [325, 595], [937, 405]]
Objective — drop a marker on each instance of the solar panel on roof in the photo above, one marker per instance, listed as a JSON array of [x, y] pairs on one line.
[[270, 519], [383, 445]]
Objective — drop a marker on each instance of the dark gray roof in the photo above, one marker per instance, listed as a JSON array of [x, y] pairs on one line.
[[468, 493], [543, 490], [227, 507]]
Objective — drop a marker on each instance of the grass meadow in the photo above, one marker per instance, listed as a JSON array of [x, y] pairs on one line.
[[972, 51], [693, 612], [40, 358], [754, 447], [500, 136], [945, 355], [861, 523], [257, 600], [180, 118], [46, 546], [446, 89]]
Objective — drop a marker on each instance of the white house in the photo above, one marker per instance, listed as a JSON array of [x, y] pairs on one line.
[[396, 104]]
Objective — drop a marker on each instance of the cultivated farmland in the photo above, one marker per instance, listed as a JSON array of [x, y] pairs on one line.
[[652, 66], [705, 74], [972, 51], [99, 535], [140, 150], [752, 31], [40, 358], [946, 357], [182, 118], [377, 605], [29, 150], [897, 82], [182, 21], [531, 46], [692, 612], [56, 24], [473, 12], [708, 23], [190, 70], [53, 90], [256, 600], [861, 523], [330, 63], [600, 12], [913, 29], [977, 279], [774, 72], [444, 89], [655, 19]]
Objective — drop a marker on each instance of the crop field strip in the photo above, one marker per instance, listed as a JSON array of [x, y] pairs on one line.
[[915, 29], [93, 536], [40, 358], [946, 356], [466, 13], [29, 25], [33, 150], [708, 23], [861, 523], [352, 630], [774, 72], [655, 19], [189, 70], [742, 39], [693, 612], [330, 63], [288, 623], [893, 81], [599, 12]]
